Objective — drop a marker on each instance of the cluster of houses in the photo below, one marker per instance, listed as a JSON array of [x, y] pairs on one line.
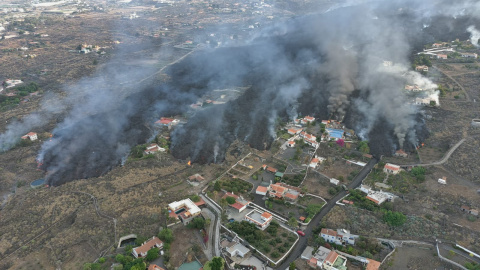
[[280, 191], [304, 121], [324, 258], [309, 139]]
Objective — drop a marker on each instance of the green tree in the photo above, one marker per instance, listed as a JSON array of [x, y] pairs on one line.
[[216, 263], [419, 173], [152, 254], [363, 147], [195, 198], [292, 222], [313, 209], [120, 258], [231, 200], [292, 266], [394, 219], [217, 186], [197, 223], [433, 103], [166, 235], [101, 260], [223, 203]]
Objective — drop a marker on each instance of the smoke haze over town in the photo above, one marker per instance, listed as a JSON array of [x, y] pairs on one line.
[[348, 64]]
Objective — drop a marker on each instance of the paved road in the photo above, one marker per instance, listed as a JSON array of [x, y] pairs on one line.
[[302, 243], [445, 158], [460, 252], [215, 236]]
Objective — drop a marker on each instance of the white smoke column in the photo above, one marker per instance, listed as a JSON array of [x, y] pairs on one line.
[[215, 152], [474, 35]]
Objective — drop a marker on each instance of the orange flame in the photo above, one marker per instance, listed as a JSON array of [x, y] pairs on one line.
[[423, 144], [189, 163]]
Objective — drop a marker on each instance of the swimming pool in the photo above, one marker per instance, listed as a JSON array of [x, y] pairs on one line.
[[195, 265], [37, 183]]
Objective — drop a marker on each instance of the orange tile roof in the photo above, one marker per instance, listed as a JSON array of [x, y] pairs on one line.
[[328, 232], [332, 256], [291, 196], [262, 189], [301, 218], [237, 205], [148, 245], [315, 160], [392, 167], [373, 200], [266, 215], [271, 169], [373, 265], [309, 118], [154, 267], [31, 134], [278, 188]]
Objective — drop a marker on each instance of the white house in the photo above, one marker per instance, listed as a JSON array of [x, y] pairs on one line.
[[314, 163], [142, 250], [31, 135], [391, 168], [339, 237], [237, 250], [332, 259], [261, 220], [291, 144], [365, 189], [334, 181], [469, 55], [261, 190], [442, 180], [153, 148]]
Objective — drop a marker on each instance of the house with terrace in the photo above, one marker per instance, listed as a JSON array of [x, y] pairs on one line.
[[261, 220], [339, 237], [142, 250], [184, 210], [240, 203]]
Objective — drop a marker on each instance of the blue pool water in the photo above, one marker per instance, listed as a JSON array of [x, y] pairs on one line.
[[37, 183]]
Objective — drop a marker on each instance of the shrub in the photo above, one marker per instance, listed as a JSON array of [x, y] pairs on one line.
[[394, 219], [231, 200]]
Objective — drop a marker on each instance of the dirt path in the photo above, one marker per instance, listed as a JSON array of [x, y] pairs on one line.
[[444, 159], [451, 78]]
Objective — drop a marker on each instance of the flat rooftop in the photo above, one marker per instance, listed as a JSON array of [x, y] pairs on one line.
[[256, 216]]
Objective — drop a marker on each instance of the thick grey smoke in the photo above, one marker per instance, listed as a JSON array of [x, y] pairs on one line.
[[474, 35], [320, 64]]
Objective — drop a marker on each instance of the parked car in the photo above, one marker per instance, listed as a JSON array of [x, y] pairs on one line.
[[300, 233], [231, 220]]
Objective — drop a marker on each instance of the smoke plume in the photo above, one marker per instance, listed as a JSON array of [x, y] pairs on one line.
[[330, 64]]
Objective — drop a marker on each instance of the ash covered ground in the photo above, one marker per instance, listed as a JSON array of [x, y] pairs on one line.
[[328, 65]]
